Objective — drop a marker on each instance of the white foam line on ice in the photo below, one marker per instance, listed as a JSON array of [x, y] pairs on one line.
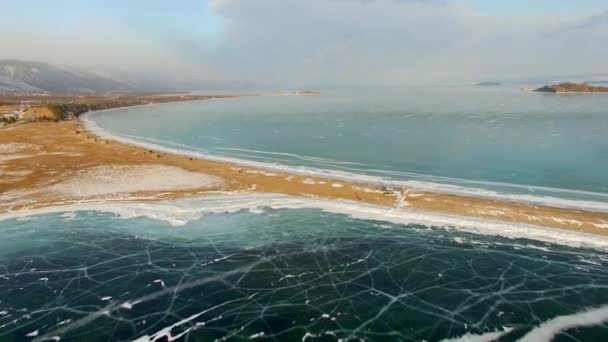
[[167, 333], [93, 127], [293, 155], [549, 329], [487, 337], [180, 212]]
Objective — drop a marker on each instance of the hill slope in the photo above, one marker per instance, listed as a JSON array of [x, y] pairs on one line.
[[26, 76], [570, 87]]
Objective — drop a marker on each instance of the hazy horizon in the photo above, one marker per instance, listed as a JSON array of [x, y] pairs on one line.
[[292, 43]]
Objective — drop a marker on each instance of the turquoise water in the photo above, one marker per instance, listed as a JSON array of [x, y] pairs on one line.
[[285, 275], [498, 139]]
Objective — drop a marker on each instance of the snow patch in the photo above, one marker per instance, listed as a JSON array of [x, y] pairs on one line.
[[107, 180]]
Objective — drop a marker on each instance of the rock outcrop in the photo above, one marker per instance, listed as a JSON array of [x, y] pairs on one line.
[[569, 87]]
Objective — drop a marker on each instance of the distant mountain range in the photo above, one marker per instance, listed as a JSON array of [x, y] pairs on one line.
[[488, 84], [26, 76], [40, 77]]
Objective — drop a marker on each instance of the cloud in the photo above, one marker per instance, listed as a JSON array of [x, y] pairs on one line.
[[391, 41], [100, 45], [318, 42], [596, 20], [342, 40]]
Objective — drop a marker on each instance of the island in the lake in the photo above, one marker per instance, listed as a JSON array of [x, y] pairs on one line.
[[569, 87], [487, 84]]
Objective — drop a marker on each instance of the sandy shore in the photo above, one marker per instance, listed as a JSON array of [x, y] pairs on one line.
[[49, 164]]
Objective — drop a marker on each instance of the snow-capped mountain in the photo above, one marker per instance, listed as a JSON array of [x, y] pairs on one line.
[[26, 76]]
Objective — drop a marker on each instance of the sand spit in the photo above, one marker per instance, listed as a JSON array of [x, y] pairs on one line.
[[61, 163]]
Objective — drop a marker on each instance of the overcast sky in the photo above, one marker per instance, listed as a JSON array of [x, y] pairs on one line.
[[314, 42]]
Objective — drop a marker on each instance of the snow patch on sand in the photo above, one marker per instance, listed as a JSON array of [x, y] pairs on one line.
[[15, 197], [309, 181], [604, 225], [262, 172], [13, 157], [15, 148], [19, 173], [114, 179]]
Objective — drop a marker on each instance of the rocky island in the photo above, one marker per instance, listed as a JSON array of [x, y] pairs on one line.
[[570, 87], [309, 92]]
